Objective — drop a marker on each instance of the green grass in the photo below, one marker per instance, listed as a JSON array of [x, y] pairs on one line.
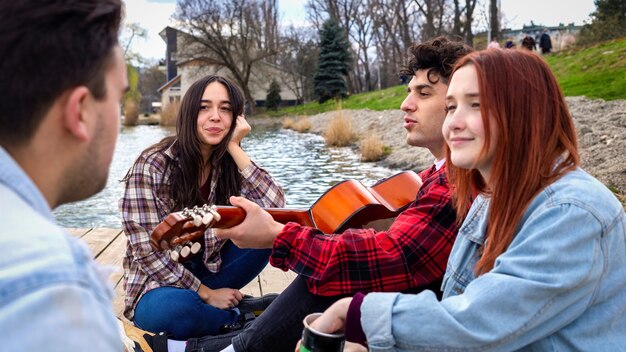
[[384, 99], [597, 71]]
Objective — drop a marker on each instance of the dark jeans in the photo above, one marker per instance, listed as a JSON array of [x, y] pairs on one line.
[[279, 327], [182, 313]]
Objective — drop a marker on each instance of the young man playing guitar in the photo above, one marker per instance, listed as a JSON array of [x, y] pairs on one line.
[[410, 256]]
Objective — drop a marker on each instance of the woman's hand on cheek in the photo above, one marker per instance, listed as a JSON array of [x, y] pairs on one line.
[[242, 128]]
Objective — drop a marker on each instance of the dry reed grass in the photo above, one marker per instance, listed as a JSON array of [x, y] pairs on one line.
[[302, 125], [372, 148], [169, 113], [339, 132], [288, 123]]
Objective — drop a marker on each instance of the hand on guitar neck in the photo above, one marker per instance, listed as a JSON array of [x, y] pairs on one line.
[[263, 227], [348, 204]]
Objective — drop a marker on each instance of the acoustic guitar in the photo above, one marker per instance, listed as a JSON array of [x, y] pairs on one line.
[[348, 204]]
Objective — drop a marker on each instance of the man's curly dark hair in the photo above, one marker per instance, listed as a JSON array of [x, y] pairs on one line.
[[437, 55]]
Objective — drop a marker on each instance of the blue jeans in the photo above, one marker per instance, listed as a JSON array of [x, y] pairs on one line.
[[182, 313]]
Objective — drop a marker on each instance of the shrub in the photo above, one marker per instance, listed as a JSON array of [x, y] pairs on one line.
[[168, 115], [273, 99]]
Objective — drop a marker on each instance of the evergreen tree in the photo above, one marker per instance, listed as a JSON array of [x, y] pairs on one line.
[[334, 62], [608, 22], [273, 99]]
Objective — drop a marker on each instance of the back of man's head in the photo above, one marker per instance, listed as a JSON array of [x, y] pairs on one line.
[[46, 48], [437, 56]]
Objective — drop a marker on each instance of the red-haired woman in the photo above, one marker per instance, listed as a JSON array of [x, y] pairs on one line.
[[540, 260]]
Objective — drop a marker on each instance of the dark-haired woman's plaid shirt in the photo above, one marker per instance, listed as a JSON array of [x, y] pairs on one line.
[[413, 253], [145, 204]]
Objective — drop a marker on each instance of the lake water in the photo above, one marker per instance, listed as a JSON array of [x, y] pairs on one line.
[[301, 163]]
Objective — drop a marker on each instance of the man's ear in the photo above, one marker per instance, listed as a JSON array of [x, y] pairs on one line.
[[74, 113]]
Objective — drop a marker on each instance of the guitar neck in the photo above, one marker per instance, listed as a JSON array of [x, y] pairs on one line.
[[233, 216]]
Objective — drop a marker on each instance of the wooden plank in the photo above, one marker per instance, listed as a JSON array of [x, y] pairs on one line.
[[113, 255], [253, 288], [98, 239], [109, 245], [76, 232], [118, 301], [274, 280]]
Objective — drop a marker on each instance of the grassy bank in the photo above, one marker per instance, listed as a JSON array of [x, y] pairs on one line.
[[597, 71], [384, 99]]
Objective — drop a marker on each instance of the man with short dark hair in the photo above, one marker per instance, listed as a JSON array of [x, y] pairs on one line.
[[410, 256], [62, 76]]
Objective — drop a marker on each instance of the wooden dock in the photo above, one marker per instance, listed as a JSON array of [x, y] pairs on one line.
[[109, 245]]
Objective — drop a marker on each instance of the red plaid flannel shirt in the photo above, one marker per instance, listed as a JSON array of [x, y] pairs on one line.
[[412, 253]]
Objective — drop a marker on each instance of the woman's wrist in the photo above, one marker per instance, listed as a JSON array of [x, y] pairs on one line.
[[353, 328]]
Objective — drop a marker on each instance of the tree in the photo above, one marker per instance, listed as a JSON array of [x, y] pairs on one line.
[[395, 25], [229, 34], [344, 12], [132, 30], [132, 97], [494, 19], [151, 78], [334, 63], [299, 57], [609, 22], [433, 11], [273, 99], [463, 18]]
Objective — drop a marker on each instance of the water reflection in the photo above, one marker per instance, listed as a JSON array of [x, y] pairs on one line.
[[300, 163]]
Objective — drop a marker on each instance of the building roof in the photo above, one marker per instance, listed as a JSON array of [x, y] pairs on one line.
[[169, 84]]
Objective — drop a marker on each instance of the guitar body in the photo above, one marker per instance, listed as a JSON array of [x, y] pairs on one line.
[[348, 204]]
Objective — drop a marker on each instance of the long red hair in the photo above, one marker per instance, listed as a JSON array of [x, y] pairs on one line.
[[535, 136]]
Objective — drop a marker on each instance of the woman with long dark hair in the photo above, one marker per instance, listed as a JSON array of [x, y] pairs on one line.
[[539, 262], [202, 163]]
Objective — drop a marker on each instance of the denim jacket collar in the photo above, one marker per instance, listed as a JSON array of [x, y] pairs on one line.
[[475, 225], [13, 177]]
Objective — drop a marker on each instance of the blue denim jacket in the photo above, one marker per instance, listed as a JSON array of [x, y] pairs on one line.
[[53, 296], [560, 286]]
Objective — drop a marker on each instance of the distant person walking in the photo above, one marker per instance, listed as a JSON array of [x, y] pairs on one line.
[[528, 43], [545, 43], [494, 43]]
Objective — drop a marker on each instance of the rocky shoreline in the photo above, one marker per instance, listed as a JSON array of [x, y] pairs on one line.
[[601, 127]]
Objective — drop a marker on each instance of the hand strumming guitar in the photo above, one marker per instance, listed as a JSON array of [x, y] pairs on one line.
[[223, 298]]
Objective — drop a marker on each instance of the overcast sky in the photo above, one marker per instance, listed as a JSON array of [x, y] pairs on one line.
[[154, 15]]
